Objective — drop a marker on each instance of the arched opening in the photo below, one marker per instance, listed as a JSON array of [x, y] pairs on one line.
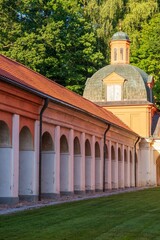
[[120, 180], [125, 168], [77, 165], [87, 165], [48, 171], [64, 165], [113, 167], [158, 171], [26, 165], [97, 167], [5, 160]]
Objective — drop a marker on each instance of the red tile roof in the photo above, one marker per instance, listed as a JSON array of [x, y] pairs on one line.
[[27, 77]]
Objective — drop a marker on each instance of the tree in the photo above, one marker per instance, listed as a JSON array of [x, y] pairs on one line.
[[147, 56], [52, 38]]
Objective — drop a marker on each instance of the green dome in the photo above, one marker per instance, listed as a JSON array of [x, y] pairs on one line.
[[120, 36], [134, 88]]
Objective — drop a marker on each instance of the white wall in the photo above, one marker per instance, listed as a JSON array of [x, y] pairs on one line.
[[77, 173], [5, 172], [88, 172], [98, 173], [48, 172], [26, 173], [64, 170]]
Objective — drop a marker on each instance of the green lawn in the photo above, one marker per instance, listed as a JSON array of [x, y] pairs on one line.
[[126, 216]]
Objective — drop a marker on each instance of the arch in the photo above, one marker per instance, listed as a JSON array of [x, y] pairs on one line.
[[125, 155], [87, 165], [5, 139], [97, 167], [97, 150], [26, 140], [87, 148], [112, 153], [64, 165], [47, 142], [64, 144], [119, 155], [77, 148], [26, 164], [158, 171], [77, 166], [48, 169]]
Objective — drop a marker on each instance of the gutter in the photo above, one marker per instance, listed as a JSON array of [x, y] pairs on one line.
[[135, 164], [104, 156], [40, 94], [46, 101]]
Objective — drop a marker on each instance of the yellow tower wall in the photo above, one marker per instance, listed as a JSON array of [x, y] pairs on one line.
[[137, 117]]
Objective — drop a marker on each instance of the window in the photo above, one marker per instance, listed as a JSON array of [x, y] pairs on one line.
[[121, 53], [115, 54], [114, 92]]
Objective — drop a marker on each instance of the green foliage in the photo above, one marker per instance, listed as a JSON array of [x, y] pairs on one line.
[[147, 56], [53, 39], [131, 216]]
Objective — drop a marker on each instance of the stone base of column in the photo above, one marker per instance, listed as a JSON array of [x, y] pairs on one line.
[[9, 200], [90, 191], [66, 193], [50, 195], [79, 192], [28, 198], [99, 190]]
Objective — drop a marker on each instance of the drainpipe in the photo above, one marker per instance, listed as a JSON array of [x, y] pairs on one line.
[[104, 156], [135, 173], [46, 101]]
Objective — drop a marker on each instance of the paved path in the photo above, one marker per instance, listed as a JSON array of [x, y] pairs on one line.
[[22, 206]]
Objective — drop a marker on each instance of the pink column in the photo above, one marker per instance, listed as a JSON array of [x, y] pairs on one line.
[[116, 166], [15, 156], [71, 161], [122, 169], [109, 166], [128, 167], [57, 160], [36, 158], [101, 162], [83, 161], [93, 163]]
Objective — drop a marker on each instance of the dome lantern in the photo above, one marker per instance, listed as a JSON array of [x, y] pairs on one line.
[[120, 48]]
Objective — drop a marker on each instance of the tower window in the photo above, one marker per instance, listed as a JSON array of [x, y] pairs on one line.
[[121, 53], [115, 54]]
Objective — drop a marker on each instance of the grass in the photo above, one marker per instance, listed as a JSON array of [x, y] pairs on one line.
[[127, 216]]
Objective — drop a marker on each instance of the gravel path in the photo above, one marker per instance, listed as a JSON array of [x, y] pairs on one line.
[[21, 206]]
